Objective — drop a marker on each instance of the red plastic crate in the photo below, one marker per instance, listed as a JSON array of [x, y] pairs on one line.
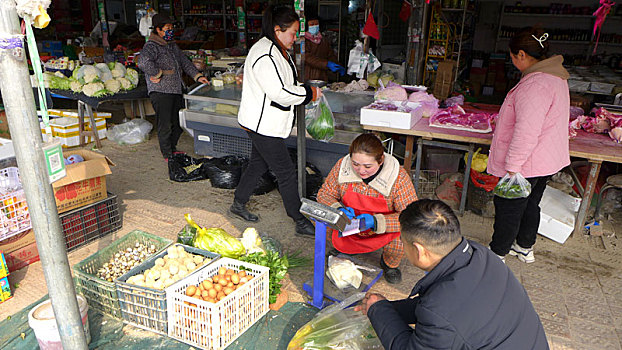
[[91, 222]]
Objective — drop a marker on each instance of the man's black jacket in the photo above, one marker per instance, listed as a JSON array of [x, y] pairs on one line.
[[470, 300]]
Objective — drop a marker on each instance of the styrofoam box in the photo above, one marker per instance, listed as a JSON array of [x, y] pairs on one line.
[[578, 85], [392, 119], [216, 325], [557, 214], [604, 88]]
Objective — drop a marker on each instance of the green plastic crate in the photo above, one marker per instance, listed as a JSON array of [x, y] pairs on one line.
[[101, 294]]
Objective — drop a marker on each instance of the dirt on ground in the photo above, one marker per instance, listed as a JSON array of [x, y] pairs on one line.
[[575, 287]]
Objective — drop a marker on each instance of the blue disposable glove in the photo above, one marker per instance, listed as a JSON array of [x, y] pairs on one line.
[[334, 67], [348, 211], [367, 222]]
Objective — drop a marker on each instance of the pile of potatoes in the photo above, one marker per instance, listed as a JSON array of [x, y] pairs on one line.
[[216, 288], [172, 267]]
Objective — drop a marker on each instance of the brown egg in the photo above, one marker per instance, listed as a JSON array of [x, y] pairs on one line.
[[243, 279], [228, 278], [223, 282], [222, 270], [242, 273], [213, 293], [204, 294], [229, 272], [207, 285], [235, 278], [218, 287], [230, 284], [216, 278], [191, 290], [211, 300], [198, 291], [220, 295], [228, 290], [200, 287]]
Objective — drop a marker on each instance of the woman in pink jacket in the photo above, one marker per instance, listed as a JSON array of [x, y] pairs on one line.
[[531, 138]]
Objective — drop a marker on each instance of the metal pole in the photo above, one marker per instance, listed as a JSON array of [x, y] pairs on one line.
[[26, 135], [301, 130], [422, 43]]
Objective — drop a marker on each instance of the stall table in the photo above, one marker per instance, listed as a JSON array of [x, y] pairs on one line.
[[596, 148], [86, 103]]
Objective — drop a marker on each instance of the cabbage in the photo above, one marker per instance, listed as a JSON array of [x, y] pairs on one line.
[[372, 79], [132, 76]]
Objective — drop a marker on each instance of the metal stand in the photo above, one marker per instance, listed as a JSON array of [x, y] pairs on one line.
[[83, 133], [319, 266], [467, 170]]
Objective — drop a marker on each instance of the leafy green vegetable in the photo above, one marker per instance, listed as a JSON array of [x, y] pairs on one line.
[[322, 127], [278, 269], [186, 235], [218, 241]]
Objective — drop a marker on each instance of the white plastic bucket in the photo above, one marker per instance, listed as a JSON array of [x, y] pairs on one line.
[[41, 320]]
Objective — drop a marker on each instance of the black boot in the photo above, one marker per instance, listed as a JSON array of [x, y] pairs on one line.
[[393, 275], [305, 228], [240, 210]]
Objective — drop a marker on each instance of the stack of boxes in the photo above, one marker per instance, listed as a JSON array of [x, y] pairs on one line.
[[5, 288], [65, 126]]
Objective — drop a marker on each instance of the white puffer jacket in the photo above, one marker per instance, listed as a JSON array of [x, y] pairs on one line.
[[270, 91]]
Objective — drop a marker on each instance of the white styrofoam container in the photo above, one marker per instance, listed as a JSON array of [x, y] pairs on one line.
[[557, 214], [578, 85], [601, 87], [392, 119]]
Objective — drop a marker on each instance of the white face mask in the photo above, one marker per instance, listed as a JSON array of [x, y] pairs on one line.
[[314, 29]]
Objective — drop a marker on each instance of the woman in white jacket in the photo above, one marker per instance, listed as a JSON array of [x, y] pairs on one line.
[[267, 112]]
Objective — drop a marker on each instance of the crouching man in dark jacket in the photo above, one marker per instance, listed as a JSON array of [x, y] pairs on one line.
[[469, 299]]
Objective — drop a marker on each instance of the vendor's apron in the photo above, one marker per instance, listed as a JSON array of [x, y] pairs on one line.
[[366, 241]]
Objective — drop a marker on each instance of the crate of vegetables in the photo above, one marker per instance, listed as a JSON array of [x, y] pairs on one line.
[[95, 275], [141, 291], [213, 307]]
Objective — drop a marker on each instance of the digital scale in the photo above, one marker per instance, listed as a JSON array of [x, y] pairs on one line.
[[328, 217]]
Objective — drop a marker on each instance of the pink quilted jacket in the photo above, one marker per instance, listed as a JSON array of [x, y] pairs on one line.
[[531, 136]]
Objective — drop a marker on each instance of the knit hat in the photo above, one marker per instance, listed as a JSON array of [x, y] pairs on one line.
[[160, 20]]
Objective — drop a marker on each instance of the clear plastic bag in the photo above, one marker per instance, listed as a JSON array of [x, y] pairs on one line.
[[513, 186], [130, 133], [337, 327], [320, 121]]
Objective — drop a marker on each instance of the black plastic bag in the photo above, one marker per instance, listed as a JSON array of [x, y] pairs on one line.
[[265, 184], [183, 168], [314, 178], [225, 172]]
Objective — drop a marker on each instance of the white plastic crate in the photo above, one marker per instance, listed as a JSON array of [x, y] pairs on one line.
[[14, 216], [215, 326]]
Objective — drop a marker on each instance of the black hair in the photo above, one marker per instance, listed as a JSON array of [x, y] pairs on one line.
[[529, 39], [432, 224], [277, 15]]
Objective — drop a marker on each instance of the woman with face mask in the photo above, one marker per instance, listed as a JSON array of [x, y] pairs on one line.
[[319, 56], [371, 186], [163, 63]]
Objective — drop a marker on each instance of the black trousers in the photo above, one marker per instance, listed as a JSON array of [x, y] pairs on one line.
[[167, 108], [271, 153], [518, 219]]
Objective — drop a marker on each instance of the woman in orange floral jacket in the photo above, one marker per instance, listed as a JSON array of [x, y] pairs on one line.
[[371, 186]]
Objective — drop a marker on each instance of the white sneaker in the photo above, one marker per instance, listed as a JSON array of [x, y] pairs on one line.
[[524, 254], [499, 256]]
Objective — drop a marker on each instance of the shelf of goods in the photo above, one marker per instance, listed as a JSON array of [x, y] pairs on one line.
[[566, 25], [211, 117]]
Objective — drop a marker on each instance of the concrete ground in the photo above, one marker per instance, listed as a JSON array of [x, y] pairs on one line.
[[576, 288]]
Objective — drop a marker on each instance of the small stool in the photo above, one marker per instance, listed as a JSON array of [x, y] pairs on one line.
[[613, 181]]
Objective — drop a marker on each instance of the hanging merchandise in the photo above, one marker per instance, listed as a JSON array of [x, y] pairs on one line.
[[359, 61], [601, 15], [35, 10], [371, 28], [405, 11]]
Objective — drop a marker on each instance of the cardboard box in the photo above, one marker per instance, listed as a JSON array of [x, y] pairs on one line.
[[17, 242], [4, 269], [147, 106], [5, 290], [392, 119], [557, 214], [444, 81], [22, 257], [85, 182]]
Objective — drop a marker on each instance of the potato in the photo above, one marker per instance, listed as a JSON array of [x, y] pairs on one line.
[[223, 282], [191, 290], [218, 287], [191, 266], [164, 274], [173, 255], [235, 278], [222, 270], [171, 250], [208, 285], [159, 262], [197, 259], [173, 269], [180, 249], [228, 290], [182, 268], [212, 293], [181, 274]]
